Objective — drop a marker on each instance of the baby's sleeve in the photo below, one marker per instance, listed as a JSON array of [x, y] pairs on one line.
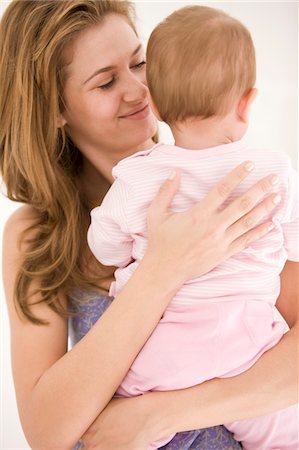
[[108, 235], [290, 221]]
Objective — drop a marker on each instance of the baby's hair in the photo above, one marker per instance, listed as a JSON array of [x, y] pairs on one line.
[[199, 61]]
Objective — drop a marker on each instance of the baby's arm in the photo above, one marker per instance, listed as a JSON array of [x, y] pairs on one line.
[[108, 235]]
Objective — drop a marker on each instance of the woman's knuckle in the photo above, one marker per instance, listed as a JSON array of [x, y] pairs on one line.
[[245, 203], [246, 241], [268, 205], [164, 187], [241, 172], [265, 186], [223, 189], [248, 222]]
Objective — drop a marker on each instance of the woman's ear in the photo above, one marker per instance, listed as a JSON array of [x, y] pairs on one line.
[[61, 121], [154, 108], [245, 103]]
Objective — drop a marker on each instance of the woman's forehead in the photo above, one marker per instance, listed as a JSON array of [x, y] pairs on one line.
[[106, 44]]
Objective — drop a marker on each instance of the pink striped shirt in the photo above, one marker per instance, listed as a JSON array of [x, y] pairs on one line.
[[118, 234]]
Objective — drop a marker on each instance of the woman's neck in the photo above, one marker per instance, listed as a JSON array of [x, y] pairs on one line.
[[92, 184], [96, 175]]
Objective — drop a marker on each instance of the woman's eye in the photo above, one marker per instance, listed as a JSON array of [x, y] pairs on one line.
[[139, 65], [107, 85]]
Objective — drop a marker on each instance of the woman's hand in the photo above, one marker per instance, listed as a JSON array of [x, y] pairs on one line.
[[192, 243], [125, 424]]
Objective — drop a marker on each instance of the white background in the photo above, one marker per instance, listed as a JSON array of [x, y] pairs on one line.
[[273, 26]]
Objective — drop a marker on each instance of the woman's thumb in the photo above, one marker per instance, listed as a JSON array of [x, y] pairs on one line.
[[165, 195]]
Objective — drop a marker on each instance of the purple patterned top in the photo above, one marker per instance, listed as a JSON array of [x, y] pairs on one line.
[[93, 305]]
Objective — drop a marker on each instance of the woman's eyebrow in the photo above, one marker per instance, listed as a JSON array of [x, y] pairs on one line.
[[106, 69]]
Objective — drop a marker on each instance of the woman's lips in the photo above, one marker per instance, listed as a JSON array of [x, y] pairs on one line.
[[138, 115]]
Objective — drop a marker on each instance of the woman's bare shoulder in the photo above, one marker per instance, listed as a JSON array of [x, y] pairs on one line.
[[21, 219], [18, 222], [35, 347], [15, 243]]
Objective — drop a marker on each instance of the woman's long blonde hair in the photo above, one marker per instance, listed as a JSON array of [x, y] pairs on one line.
[[39, 164]]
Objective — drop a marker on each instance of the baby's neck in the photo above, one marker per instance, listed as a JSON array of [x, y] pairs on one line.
[[197, 134]]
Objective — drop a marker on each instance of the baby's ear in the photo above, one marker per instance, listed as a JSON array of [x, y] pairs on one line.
[[245, 103], [154, 108]]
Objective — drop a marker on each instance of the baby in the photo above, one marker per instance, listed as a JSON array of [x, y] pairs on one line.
[[201, 76]]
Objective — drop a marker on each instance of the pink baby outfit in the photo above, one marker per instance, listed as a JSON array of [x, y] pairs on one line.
[[217, 325]]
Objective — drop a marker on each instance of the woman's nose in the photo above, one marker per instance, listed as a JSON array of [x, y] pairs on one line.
[[135, 88]]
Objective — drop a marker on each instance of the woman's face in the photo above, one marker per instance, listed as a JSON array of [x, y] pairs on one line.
[[106, 99]]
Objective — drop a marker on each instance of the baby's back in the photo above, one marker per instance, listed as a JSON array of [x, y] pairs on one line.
[[252, 274]]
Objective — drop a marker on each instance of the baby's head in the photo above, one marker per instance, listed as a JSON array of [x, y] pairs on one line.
[[200, 62]]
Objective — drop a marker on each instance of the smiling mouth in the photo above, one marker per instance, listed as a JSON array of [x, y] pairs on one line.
[[136, 112]]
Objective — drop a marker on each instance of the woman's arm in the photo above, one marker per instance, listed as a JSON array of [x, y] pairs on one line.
[[269, 385], [60, 393]]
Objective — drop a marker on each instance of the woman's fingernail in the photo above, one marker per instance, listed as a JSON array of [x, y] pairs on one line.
[[271, 226], [249, 166], [172, 175], [274, 180], [276, 199], [275, 221]]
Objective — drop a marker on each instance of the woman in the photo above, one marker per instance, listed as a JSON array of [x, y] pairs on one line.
[[73, 102]]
